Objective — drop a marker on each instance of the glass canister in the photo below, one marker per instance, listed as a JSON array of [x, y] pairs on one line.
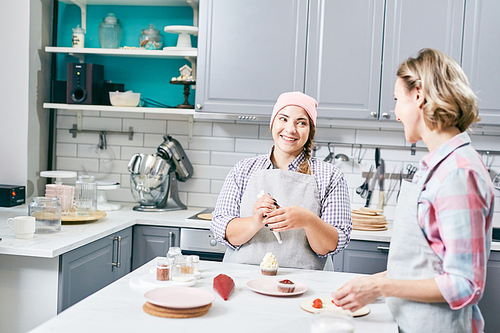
[[173, 252], [110, 32], [85, 195], [150, 38], [47, 212]]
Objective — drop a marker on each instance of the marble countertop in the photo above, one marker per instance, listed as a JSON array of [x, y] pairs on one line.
[[118, 307], [73, 236]]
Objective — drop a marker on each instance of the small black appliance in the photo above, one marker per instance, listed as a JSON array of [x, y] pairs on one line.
[[12, 195], [84, 85]]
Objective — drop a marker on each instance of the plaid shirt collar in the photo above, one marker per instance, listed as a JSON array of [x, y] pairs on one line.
[[434, 158], [293, 166]]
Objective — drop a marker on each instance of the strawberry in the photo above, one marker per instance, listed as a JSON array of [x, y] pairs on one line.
[[317, 303]]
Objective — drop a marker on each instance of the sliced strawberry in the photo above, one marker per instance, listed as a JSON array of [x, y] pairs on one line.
[[317, 303], [335, 303]]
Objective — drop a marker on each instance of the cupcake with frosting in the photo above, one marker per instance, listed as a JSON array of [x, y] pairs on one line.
[[286, 286], [269, 264]]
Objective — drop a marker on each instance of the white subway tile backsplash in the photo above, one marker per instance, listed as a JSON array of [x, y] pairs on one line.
[[211, 143], [198, 156], [228, 158], [201, 199], [253, 146], [145, 125], [195, 185], [96, 123], [218, 145], [66, 149], [82, 165], [216, 186], [210, 171], [127, 152], [236, 130]]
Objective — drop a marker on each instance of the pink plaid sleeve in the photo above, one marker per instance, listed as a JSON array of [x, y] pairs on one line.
[[460, 215]]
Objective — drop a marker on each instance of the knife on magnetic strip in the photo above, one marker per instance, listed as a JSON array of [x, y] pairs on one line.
[[381, 184]]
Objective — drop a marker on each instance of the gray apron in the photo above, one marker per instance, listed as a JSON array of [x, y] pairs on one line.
[[289, 189], [412, 258]]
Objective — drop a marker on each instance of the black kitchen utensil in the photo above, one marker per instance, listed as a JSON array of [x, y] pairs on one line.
[[362, 190]]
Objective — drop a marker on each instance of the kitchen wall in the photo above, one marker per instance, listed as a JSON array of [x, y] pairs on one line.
[[218, 145]]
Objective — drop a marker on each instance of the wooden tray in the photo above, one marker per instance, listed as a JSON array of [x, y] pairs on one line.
[[72, 217]]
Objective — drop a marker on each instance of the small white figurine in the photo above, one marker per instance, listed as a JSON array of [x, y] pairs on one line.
[[185, 74]]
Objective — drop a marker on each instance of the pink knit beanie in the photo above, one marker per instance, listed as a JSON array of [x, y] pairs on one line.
[[295, 98]]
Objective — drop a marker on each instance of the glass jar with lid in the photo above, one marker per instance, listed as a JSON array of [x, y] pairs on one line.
[[110, 32], [47, 212], [150, 38]]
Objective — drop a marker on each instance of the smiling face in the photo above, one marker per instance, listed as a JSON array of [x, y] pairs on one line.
[[408, 110], [290, 132]]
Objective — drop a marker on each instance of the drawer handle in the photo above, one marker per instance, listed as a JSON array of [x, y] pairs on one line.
[[119, 240], [382, 248], [171, 236]]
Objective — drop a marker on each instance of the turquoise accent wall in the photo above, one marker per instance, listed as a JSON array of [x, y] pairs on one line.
[[150, 77]]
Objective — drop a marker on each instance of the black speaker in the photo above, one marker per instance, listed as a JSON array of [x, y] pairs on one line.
[[84, 85]]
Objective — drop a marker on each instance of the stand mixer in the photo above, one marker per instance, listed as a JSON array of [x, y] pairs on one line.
[[153, 179]]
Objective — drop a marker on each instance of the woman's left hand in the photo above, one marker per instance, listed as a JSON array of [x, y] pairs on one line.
[[288, 218], [358, 292]]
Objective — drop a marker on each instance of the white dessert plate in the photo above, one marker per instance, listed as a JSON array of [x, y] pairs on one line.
[[270, 287], [179, 297], [329, 306]]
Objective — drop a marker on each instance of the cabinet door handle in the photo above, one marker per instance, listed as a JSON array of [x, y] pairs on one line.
[[386, 115], [171, 236], [373, 114], [382, 248], [119, 245], [199, 106]]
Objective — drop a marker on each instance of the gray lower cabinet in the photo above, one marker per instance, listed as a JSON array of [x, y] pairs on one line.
[[363, 257], [490, 303], [480, 56], [91, 267], [152, 242]]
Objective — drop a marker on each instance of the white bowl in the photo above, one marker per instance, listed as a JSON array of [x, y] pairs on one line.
[[127, 98]]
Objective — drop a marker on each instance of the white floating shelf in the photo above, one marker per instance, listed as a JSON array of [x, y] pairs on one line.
[[85, 107], [134, 2], [170, 53]]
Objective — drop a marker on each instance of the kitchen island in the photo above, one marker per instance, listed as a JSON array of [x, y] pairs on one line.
[[118, 307]]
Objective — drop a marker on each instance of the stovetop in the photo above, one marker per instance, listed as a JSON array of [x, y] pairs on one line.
[[196, 218]]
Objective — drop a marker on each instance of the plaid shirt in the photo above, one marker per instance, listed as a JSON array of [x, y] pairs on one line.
[[455, 212], [332, 187]]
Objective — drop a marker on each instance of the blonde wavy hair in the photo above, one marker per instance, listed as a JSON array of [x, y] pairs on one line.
[[449, 100]]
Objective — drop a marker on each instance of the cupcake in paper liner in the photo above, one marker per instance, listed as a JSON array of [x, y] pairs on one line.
[[269, 264]]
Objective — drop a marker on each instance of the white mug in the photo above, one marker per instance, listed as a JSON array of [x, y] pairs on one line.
[[24, 226]]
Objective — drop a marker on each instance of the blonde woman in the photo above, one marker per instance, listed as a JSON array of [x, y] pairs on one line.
[[441, 239], [304, 199]]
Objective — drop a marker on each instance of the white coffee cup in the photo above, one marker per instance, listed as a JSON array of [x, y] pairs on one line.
[[23, 226]]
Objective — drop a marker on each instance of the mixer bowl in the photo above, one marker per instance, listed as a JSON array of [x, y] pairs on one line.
[[149, 178]]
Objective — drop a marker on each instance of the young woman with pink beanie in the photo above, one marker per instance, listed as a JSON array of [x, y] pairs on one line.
[[286, 202]]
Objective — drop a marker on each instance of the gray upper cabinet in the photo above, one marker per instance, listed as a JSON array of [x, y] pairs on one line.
[[249, 52], [480, 56], [414, 25], [344, 54]]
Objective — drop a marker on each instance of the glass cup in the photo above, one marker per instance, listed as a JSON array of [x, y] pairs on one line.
[[332, 322], [182, 269], [65, 195], [85, 195]]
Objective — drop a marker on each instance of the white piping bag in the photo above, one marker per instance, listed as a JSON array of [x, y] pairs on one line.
[[276, 234]]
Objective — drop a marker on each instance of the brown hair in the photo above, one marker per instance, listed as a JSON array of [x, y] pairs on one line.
[[449, 100], [304, 167]]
